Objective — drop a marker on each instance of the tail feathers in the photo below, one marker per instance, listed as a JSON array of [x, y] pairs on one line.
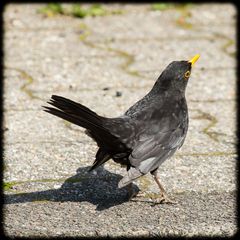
[[75, 109], [82, 116], [131, 175], [61, 101], [71, 118], [101, 157]]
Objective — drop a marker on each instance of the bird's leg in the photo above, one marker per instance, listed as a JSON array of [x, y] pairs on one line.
[[133, 194], [163, 197]]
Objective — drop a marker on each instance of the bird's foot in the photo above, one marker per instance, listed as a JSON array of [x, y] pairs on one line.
[[135, 195], [164, 199]]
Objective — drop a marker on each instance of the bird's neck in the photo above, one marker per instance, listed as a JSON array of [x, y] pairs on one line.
[[170, 92], [165, 84]]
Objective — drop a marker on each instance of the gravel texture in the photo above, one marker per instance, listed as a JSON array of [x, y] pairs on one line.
[[108, 63]]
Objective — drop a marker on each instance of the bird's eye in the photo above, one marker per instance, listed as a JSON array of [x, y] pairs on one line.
[[187, 74]]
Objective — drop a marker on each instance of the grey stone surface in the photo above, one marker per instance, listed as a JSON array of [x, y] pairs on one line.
[[48, 189]]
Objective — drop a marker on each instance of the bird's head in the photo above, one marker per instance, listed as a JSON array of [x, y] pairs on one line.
[[176, 75]]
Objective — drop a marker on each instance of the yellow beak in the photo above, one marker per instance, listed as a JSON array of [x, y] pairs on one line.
[[194, 59]]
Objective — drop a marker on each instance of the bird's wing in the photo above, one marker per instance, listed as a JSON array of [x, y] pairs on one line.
[[149, 153]]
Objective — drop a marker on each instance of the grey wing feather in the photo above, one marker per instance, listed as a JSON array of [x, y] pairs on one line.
[[151, 153], [132, 174]]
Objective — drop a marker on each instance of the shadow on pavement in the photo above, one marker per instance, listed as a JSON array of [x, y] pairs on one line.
[[98, 187]]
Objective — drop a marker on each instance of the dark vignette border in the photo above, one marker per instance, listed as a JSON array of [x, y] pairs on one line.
[[2, 7]]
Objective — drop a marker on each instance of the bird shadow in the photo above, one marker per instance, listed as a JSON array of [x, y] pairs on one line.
[[99, 187]]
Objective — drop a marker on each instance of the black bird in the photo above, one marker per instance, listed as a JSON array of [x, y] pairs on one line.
[[146, 135]]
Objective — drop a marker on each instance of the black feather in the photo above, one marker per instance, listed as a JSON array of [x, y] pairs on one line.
[[82, 116], [146, 135]]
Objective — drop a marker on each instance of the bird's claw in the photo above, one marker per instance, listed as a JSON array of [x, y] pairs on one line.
[[136, 195], [164, 199]]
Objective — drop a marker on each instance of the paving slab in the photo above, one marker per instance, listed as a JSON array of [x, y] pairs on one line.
[[108, 63]]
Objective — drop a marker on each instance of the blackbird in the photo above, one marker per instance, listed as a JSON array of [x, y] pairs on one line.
[[146, 135]]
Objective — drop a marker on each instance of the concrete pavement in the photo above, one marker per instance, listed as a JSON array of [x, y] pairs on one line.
[[47, 189]]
